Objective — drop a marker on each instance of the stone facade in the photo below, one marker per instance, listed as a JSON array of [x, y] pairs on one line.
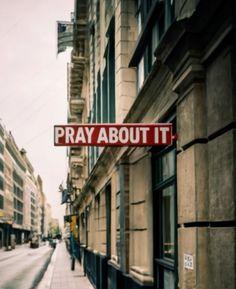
[[157, 217]]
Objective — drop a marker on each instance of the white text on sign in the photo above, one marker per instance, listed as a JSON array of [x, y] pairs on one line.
[[113, 135]]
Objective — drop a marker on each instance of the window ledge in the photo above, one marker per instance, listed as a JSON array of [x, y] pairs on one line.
[[114, 264], [141, 274]]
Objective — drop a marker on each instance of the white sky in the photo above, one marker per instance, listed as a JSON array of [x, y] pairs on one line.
[[33, 93]]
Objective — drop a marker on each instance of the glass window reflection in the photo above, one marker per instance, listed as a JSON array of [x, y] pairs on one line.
[[168, 222]]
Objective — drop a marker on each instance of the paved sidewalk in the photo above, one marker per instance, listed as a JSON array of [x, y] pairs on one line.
[[59, 274]]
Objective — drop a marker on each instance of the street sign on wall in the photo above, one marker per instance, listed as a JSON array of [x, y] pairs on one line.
[[188, 261], [113, 134]]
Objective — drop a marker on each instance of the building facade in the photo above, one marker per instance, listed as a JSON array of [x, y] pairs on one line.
[[41, 208], [2, 194], [156, 217], [22, 201]]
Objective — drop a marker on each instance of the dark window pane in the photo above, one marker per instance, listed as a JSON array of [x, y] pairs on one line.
[[1, 166], [168, 220], [1, 148], [168, 165], [169, 279], [104, 97], [1, 184], [1, 202], [164, 167]]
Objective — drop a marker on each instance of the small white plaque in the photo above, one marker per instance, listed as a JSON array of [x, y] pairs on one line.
[[188, 261]]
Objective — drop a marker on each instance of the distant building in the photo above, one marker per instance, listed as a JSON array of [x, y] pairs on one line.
[[41, 208], [16, 195], [23, 207], [2, 190], [156, 217], [47, 217], [31, 197]]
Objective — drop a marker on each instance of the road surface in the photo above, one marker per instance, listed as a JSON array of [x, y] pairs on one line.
[[23, 267]]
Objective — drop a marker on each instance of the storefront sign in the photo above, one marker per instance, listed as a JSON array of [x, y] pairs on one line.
[[7, 220], [188, 261], [113, 134]]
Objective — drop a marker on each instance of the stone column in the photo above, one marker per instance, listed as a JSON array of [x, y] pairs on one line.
[[125, 39]]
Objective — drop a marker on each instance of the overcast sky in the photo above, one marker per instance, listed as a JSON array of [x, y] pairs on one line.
[[33, 96]]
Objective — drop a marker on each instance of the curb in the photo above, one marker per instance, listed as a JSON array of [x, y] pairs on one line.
[[45, 279], [41, 273]]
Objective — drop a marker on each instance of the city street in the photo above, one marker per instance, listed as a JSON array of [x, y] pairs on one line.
[[118, 144], [23, 267]]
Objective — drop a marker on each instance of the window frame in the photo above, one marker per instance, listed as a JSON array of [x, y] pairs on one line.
[[154, 12], [2, 184], [1, 202], [109, 56], [1, 165], [160, 261]]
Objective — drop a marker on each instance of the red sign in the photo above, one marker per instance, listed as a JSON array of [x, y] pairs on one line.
[[113, 134]]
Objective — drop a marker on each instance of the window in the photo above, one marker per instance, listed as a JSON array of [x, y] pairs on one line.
[[1, 202], [18, 205], [97, 209], [141, 73], [1, 148], [1, 183], [153, 20], [168, 228], [32, 200], [17, 179], [18, 218], [98, 99], [109, 73], [165, 220], [18, 185], [103, 110], [18, 192], [104, 97], [18, 198], [1, 166], [143, 8]]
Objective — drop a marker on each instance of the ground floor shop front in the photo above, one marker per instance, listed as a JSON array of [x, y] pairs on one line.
[[133, 233], [10, 236]]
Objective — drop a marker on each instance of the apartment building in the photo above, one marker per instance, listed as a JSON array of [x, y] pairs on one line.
[[15, 196], [155, 217], [31, 209], [1, 182], [41, 208], [21, 195]]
